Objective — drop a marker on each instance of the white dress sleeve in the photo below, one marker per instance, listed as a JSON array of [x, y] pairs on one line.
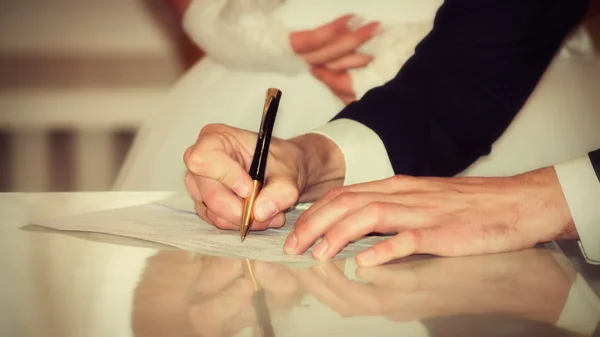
[[242, 35]]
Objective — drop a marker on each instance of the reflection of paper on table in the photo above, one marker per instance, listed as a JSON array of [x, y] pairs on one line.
[[186, 230]]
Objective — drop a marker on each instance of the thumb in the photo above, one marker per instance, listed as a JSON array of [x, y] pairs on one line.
[[279, 194]]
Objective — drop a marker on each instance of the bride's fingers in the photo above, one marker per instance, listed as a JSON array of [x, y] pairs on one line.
[[350, 61], [344, 45], [339, 82], [306, 41]]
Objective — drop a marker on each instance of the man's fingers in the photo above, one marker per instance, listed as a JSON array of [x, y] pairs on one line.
[[220, 200], [405, 243], [310, 40], [208, 317], [314, 280], [341, 46], [350, 61], [190, 185], [219, 166], [339, 82], [379, 217], [279, 194], [217, 274], [275, 278], [201, 210], [219, 222], [312, 226]]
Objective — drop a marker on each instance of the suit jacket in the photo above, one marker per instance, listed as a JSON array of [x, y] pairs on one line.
[[466, 82]]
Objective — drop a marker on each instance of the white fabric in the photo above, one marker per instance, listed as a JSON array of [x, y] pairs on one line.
[[581, 188], [242, 34], [249, 35], [215, 92]]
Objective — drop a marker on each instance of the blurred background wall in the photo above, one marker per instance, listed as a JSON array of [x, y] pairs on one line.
[[77, 78]]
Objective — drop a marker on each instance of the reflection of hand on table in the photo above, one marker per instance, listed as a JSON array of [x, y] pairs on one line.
[[526, 284], [187, 295], [222, 295]]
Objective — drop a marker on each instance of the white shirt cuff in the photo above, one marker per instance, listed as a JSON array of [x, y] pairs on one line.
[[581, 313], [364, 153], [581, 188]]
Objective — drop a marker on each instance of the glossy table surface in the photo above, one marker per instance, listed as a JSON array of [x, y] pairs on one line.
[[73, 284]]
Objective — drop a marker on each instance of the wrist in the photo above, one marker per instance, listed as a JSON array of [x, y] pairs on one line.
[[551, 201], [320, 163]]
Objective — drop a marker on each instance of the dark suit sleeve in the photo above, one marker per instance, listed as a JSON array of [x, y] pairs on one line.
[[595, 159], [466, 81]]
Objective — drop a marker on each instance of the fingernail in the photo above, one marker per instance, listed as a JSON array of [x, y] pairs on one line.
[[241, 188], [366, 257], [290, 244], [266, 210], [320, 250], [355, 23]]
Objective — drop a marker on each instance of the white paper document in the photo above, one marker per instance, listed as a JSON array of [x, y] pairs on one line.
[[184, 229]]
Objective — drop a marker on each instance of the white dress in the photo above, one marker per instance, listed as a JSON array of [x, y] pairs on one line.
[[248, 52]]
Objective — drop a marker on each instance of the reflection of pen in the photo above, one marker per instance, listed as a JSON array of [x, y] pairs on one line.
[[259, 162], [259, 302]]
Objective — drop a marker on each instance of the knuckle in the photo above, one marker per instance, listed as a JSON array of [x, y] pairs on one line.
[[400, 179], [334, 192], [198, 164], [377, 209], [415, 237], [188, 152], [211, 128], [345, 198]]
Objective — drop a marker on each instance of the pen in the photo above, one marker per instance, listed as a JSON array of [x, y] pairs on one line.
[[259, 302], [259, 161]]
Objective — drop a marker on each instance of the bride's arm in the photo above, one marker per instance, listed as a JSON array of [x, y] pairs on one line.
[[242, 34]]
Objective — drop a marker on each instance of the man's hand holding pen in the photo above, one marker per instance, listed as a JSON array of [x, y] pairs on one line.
[[302, 169]]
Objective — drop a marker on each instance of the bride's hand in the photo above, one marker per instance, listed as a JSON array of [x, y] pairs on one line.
[[331, 50]]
